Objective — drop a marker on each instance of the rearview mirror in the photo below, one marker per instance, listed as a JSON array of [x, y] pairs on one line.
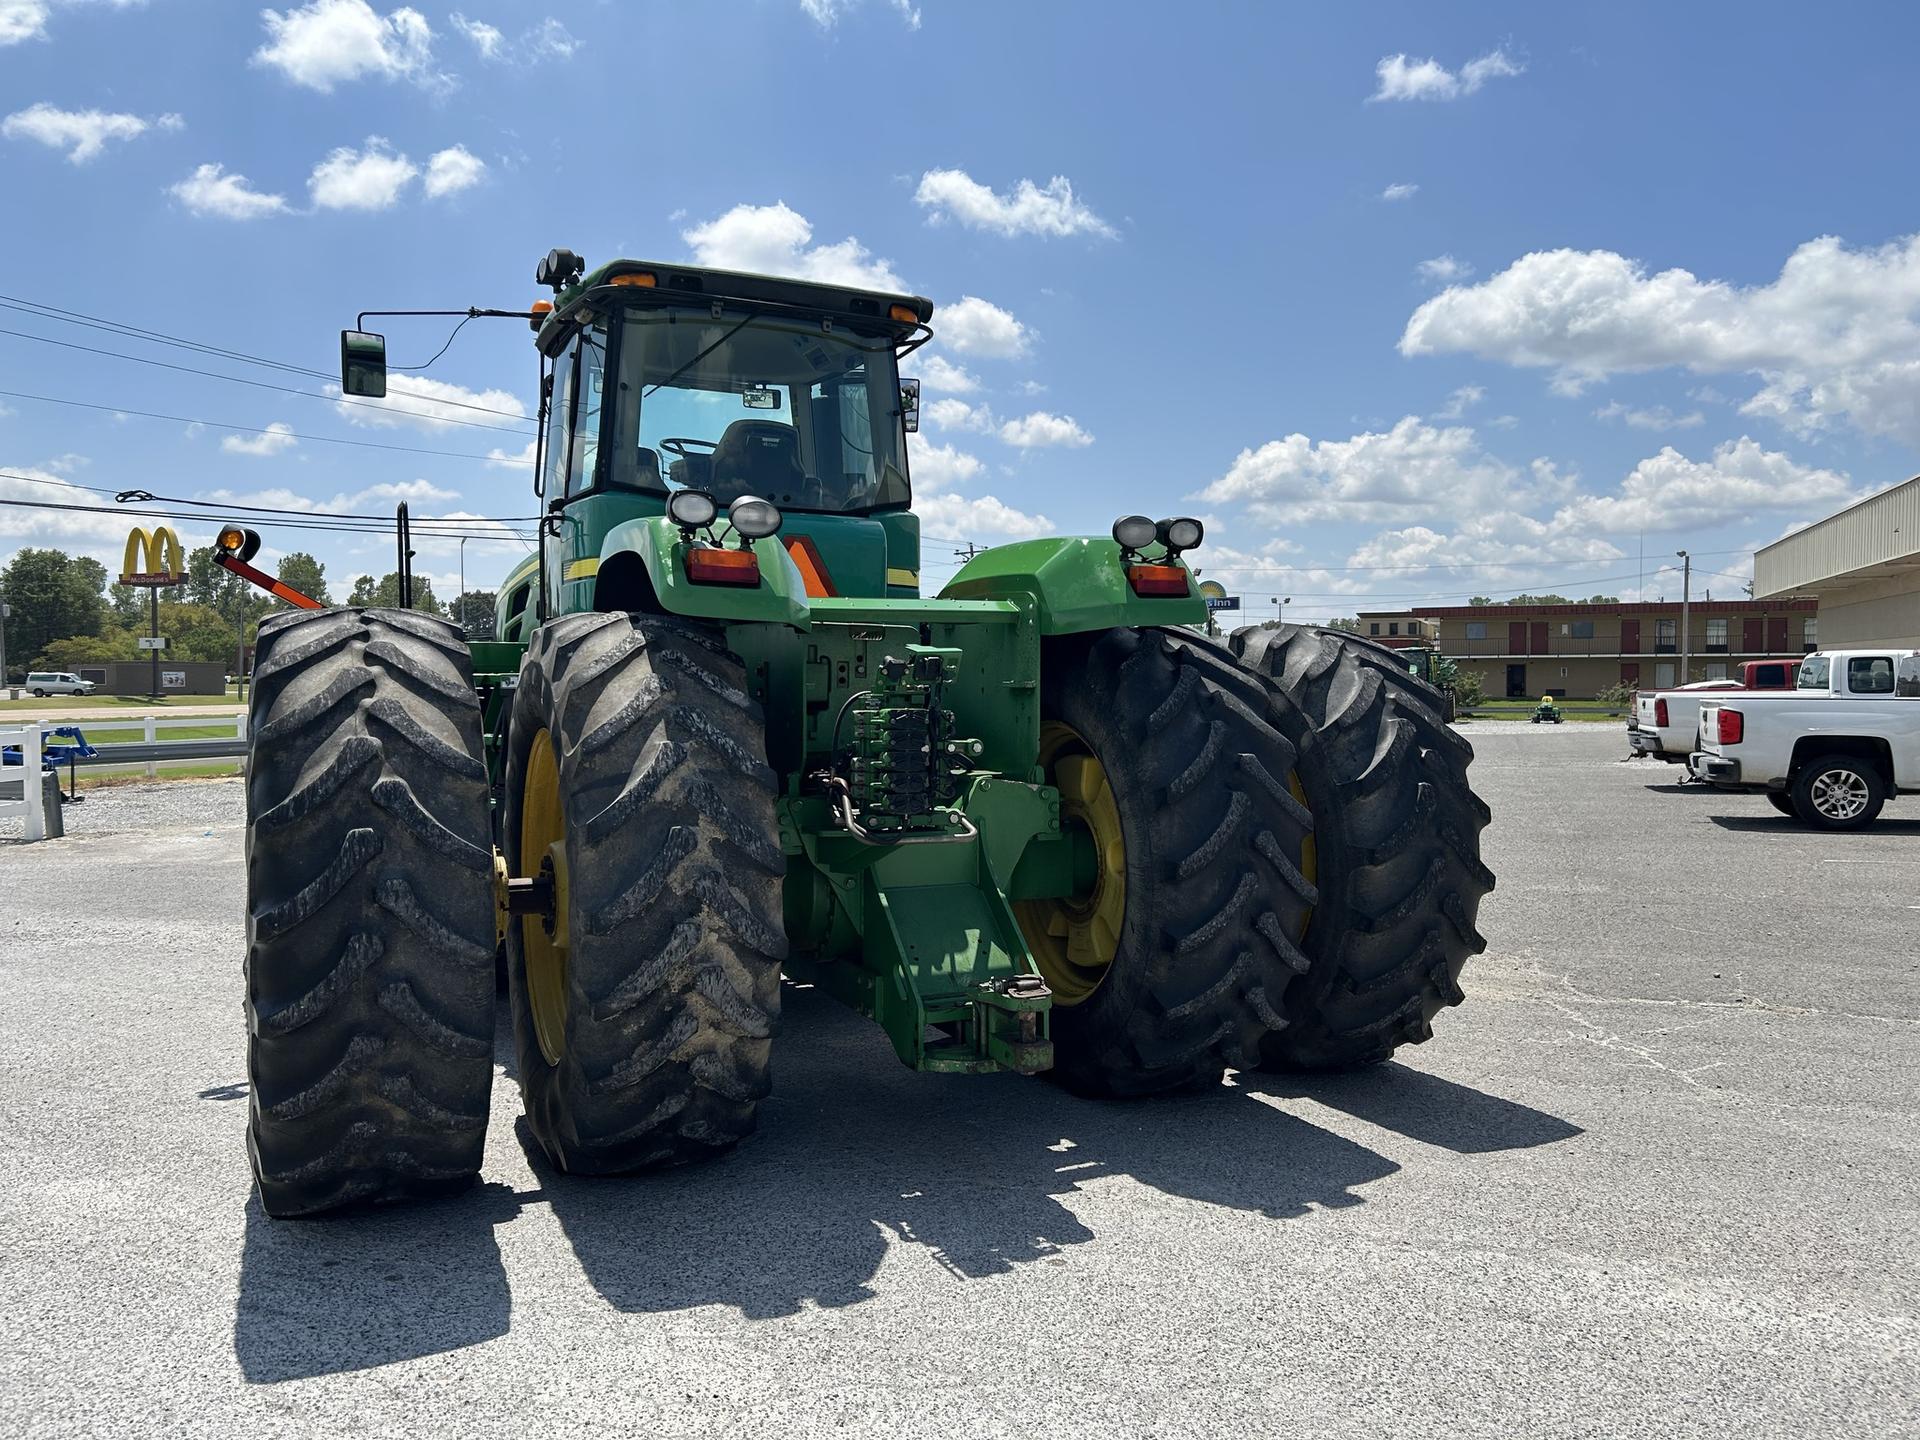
[[910, 405], [363, 364]]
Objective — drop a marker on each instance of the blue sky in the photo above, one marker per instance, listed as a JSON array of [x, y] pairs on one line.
[[1414, 301]]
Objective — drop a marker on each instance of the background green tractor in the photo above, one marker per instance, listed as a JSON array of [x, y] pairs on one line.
[[1035, 824]]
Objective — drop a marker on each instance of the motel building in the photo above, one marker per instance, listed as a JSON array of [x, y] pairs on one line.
[[1576, 651]]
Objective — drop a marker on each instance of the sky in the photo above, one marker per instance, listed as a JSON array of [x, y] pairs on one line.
[[1408, 302]]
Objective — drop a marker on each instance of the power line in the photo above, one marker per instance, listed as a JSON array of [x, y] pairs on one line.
[[160, 337], [267, 385], [259, 430]]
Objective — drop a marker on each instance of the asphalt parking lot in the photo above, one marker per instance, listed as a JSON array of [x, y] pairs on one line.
[[1660, 1175]]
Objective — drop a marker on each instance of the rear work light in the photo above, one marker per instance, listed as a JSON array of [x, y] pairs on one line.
[[710, 565], [1731, 728], [1158, 580], [1659, 712]]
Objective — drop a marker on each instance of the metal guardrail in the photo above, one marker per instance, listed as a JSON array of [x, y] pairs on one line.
[[133, 752]]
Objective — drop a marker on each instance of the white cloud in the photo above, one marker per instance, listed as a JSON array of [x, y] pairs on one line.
[[102, 536], [1443, 269], [776, 240], [1410, 472], [549, 40], [1400, 190], [324, 43], [1835, 338], [277, 437], [429, 404], [1656, 417], [369, 179], [1459, 402], [937, 470], [1031, 209], [939, 467], [1044, 429], [939, 373], [1402, 78], [211, 192], [827, 13], [23, 20], [511, 460], [452, 170], [1668, 491], [485, 38], [83, 134], [978, 327], [957, 415]]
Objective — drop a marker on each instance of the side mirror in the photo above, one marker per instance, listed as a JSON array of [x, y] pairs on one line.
[[910, 405], [363, 364]]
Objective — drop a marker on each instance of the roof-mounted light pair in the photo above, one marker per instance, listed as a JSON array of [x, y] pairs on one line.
[[1164, 578]]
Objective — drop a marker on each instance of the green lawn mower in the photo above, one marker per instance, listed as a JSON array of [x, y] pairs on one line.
[[1034, 823]]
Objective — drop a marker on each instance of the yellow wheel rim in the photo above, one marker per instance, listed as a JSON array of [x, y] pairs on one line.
[[1074, 939], [544, 946]]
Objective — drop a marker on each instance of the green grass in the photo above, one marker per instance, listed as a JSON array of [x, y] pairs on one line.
[[137, 704], [98, 779], [121, 735]]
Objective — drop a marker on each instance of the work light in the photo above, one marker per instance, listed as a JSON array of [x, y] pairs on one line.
[[691, 509], [754, 518], [1134, 532], [1181, 533]]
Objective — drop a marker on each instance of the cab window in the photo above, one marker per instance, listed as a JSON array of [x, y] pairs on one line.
[[1815, 672], [1906, 677], [1870, 675]]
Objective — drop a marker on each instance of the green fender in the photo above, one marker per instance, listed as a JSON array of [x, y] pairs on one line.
[[657, 543], [1077, 582]]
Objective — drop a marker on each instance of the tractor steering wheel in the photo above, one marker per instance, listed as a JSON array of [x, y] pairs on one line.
[[677, 445]]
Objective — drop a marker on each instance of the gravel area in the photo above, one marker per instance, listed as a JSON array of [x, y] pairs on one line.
[[1659, 1176], [161, 805]]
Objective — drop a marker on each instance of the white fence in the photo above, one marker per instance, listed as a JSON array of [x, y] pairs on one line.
[[31, 803], [152, 750]]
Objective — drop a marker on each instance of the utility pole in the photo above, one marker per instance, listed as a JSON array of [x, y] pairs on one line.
[[460, 605], [968, 551], [1686, 628], [5, 689], [153, 629]]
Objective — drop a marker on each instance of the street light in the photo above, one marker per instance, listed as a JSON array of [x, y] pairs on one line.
[[1686, 628]]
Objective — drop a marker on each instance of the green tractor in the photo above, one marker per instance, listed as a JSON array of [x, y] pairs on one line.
[[1035, 824]]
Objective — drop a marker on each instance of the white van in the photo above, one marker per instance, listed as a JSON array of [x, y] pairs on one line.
[[58, 682]]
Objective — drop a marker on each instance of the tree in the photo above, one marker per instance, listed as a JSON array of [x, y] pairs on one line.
[[112, 643], [386, 592], [305, 574], [1344, 622], [1469, 689], [1480, 600], [473, 613], [50, 595], [129, 606]]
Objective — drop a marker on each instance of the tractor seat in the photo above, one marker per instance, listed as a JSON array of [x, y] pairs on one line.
[[757, 457], [692, 472], [646, 472]]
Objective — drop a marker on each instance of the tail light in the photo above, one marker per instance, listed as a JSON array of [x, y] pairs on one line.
[[1659, 712], [1731, 727], [711, 565], [1157, 580]]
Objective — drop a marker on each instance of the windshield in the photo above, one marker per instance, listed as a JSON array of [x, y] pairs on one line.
[[744, 404], [1814, 671]]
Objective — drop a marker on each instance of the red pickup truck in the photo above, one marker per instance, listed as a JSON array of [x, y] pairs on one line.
[[1664, 723]]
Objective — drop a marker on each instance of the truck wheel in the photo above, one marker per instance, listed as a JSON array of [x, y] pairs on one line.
[[1782, 802], [1169, 963], [1396, 848], [1838, 792], [369, 911], [644, 1004]]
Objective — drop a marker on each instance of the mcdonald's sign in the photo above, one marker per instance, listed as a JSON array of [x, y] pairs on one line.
[[153, 560]]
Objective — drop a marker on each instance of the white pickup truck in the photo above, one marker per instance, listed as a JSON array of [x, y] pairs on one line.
[[1831, 750], [1663, 723]]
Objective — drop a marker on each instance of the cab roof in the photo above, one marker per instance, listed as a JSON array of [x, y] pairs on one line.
[[675, 284]]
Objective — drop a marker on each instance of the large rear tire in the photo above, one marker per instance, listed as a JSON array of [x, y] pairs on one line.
[[369, 911], [1170, 967], [1397, 838], [644, 1009]]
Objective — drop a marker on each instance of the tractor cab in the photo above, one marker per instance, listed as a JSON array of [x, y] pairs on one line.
[[665, 379]]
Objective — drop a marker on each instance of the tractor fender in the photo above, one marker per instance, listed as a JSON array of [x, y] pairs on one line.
[[1078, 583], [642, 566]]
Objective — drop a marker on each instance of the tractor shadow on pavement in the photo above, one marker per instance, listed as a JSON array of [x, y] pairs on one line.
[[370, 1287], [1782, 825], [857, 1155]]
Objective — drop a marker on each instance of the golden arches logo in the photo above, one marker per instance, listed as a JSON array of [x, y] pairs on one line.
[[153, 558]]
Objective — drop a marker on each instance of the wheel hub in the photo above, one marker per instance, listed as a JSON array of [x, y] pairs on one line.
[[1074, 938], [1839, 794], [543, 924]]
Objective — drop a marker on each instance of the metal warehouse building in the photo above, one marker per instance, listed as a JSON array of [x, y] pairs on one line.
[[1863, 565]]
